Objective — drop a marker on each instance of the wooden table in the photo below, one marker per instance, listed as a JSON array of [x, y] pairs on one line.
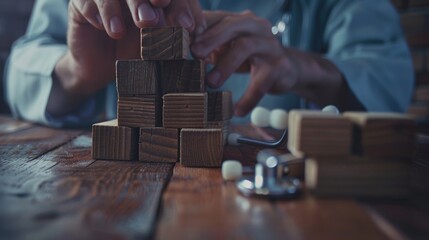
[[51, 188]]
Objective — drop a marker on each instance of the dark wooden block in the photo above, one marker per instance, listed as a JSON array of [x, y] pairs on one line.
[[182, 76], [185, 110], [137, 78], [201, 147], [165, 43], [316, 133], [382, 134], [219, 106], [358, 177], [159, 145], [113, 142], [224, 125], [140, 111]]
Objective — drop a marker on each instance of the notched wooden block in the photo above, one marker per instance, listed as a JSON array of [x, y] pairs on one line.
[[201, 147], [382, 134], [219, 106], [137, 78], [159, 145], [165, 43], [140, 111], [185, 110], [113, 142], [316, 133]]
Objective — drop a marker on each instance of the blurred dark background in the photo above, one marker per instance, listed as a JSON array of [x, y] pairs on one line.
[[14, 15]]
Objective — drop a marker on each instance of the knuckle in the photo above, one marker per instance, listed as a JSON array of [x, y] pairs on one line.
[[244, 43]]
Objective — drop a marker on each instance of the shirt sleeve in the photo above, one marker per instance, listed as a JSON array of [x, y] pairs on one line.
[[32, 62], [366, 43]]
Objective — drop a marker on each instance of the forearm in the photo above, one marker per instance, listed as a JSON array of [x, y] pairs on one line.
[[318, 80], [64, 98]]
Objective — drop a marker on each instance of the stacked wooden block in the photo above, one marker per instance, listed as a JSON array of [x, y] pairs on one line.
[[162, 100], [354, 154]]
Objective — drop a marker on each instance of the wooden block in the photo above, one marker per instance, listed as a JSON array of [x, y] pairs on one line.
[[382, 134], [185, 110], [219, 106], [182, 76], [201, 147], [224, 125], [316, 133], [140, 111], [165, 43], [357, 177], [159, 145], [113, 142], [137, 78], [421, 93]]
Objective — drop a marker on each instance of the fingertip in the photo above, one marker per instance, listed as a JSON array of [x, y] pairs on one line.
[[160, 3]]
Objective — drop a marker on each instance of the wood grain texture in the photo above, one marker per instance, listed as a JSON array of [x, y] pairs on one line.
[[224, 126], [358, 177], [185, 110], [165, 43], [113, 142], [315, 133], [182, 76], [198, 204], [201, 147], [137, 78], [219, 106], [383, 134], [145, 111], [159, 145]]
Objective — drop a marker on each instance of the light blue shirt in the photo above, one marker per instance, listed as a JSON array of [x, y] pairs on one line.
[[362, 38]]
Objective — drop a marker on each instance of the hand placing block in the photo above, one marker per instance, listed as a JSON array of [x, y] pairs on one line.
[[219, 106], [159, 145], [143, 111], [185, 110], [316, 133], [201, 147], [113, 142], [165, 43], [383, 134]]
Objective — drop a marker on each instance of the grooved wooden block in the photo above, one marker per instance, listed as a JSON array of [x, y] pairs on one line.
[[140, 111], [159, 145], [316, 133], [219, 106], [201, 147], [137, 78], [165, 43], [113, 142], [185, 110], [383, 134]]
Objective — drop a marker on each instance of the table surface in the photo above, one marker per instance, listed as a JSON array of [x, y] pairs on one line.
[[51, 188]]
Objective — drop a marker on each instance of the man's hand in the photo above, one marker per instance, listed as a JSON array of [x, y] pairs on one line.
[[237, 42], [103, 31]]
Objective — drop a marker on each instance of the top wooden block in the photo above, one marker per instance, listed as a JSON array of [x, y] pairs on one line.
[[165, 43]]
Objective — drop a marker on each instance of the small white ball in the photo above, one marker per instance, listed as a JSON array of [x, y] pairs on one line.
[[260, 117], [278, 119], [231, 170], [232, 139], [331, 109]]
